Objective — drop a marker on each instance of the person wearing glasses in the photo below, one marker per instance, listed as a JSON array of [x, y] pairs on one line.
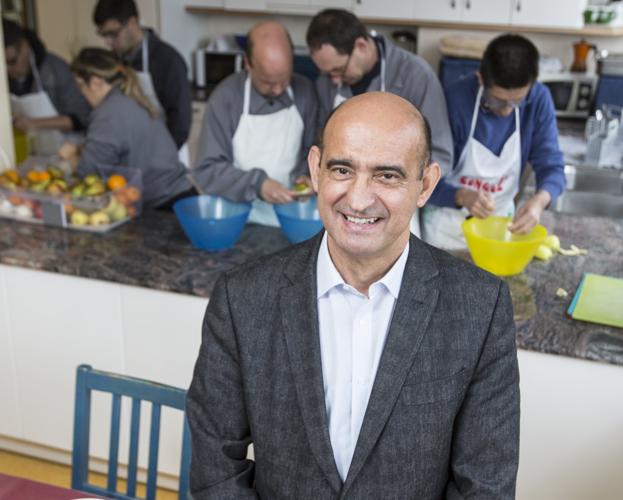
[[160, 68], [44, 95], [258, 127], [501, 119], [353, 61]]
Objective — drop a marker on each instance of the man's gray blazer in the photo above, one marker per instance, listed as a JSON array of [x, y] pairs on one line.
[[443, 416]]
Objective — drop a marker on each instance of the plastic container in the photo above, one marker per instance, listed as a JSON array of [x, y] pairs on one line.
[[53, 198], [299, 220], [494, 248], [211, 222]]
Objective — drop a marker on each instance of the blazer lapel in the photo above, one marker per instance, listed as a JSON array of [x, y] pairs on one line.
[[416, 302], [300, 323]]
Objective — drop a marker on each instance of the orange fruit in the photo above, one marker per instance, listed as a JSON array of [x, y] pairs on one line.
[[12, 175], [133, 194], [116, 181]]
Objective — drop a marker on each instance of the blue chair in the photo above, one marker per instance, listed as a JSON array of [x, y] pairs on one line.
[[159, 395]]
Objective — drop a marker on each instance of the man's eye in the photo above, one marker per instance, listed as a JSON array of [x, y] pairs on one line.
[[340, 171]]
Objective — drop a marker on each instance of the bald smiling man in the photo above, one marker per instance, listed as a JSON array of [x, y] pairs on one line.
[[258, 127], [374, 366]]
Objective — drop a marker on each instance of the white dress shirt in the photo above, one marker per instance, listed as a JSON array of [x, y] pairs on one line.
[[353, 329]]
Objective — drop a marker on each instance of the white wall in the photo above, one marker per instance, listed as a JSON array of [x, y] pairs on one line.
[[66, 26]]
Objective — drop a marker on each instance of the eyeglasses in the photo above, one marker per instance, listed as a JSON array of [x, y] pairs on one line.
[[495, 104], [112, 33], [341, 71]]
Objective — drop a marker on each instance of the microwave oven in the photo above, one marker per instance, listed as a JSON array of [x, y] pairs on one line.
[[572, 93], [210, 67]]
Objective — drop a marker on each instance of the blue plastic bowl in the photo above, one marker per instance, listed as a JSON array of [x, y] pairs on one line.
[[299, 220], [211, 222]]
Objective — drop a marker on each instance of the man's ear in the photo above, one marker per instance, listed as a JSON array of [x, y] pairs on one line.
[[479, 76], [430, 178], [247, 64], [313, 163]]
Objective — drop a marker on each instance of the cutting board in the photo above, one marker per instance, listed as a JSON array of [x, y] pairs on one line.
[[598, 299]]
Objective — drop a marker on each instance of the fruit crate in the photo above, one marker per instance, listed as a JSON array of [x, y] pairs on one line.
[[44, 191]]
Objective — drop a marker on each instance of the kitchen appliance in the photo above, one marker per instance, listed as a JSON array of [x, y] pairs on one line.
[[210, 67], [580, 54], [405, 39], [572, 93]]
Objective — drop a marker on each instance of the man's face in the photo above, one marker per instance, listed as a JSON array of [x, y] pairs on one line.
[[502, 101], [18, 60], [270, 78], [117, 36], [341, 68], [368, 185]]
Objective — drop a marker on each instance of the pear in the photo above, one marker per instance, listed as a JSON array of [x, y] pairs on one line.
[[98, 218], [79, 218]]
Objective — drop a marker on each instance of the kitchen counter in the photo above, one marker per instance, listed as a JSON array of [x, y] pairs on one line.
[[152, 252]]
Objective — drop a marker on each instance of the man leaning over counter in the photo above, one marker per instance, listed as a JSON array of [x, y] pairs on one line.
[[258, 127], [501, 118], [161, 69], [44, 94], [353, 61]]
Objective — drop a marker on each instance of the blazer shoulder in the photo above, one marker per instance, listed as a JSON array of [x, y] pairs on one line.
[[268, 270], [462, 273]]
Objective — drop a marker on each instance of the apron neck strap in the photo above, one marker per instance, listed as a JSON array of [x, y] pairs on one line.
[[247, 96], [145, 53]]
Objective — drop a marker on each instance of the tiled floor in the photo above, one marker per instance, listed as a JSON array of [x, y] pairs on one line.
[[59, 475]]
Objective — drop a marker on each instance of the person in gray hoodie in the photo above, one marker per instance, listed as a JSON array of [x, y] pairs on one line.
[[124, 129]]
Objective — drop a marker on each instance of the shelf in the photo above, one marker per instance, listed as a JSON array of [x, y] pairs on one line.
[[599, 31]]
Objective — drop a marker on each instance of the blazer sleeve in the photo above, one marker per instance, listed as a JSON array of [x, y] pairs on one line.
[[216, 411], [485, 448]]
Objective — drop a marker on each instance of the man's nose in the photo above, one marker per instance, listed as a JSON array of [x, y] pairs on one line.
[[361, 194]]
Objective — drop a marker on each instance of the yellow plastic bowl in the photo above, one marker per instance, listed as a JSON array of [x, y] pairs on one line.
[[494, 248]]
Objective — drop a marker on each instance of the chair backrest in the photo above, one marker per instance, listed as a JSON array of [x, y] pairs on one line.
[[159, 395]]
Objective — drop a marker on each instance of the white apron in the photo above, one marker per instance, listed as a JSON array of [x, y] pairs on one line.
[[147, 86], [38, 105], [479, 169], [271, 142]]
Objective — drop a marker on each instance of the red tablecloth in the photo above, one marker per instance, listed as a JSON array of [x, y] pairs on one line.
[[17, 488]]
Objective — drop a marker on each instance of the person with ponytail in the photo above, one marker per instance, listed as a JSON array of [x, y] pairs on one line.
[[125, 129]]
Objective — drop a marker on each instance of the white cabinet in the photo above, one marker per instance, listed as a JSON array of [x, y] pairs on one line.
[[245, 4], [57, 323], [162, 334], [9, 412], [552, 13], [466, 11], [306, 6], [384, 9]]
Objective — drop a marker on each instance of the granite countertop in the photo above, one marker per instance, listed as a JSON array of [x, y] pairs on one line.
[[153, 252], [150, 251], [545, 327]]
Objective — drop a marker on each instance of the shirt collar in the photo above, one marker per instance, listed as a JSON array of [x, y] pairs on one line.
[[328, 277]]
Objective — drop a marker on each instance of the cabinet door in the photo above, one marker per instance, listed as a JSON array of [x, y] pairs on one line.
[[57, 323], [162, 334], [245, 4], [441, 10], [388, 9], [553, 13], [10, 421], [486, 11]]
